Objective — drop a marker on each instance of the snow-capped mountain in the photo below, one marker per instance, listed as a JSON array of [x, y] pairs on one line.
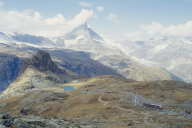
[[26, 38], [83, 31], [85, 39], [80, 36], [172, 53]]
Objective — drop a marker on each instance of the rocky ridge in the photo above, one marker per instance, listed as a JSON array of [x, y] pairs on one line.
[[39, 72], [76, 61], [41, 61]]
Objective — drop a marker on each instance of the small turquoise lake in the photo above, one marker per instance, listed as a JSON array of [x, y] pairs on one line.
[[69, 88]]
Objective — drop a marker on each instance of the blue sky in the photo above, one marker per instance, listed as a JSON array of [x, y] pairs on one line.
[[112, 19]]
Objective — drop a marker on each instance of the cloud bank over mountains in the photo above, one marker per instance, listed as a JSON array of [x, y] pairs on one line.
[[111, 22], [180, 29], [157, 28], [31, 22]]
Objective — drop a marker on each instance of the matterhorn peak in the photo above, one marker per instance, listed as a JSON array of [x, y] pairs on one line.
[[82, 31]]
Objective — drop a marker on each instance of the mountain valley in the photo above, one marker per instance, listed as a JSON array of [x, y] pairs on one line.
[[39, 91], [110, 86], [171, 53]]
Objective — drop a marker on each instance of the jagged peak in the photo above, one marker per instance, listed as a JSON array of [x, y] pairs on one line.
[[83, 30], [41, 61]]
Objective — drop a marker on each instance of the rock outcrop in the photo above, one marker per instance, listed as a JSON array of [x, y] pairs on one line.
[[41, 61], [39, 72]]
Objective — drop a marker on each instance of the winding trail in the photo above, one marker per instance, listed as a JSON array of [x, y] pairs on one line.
[[100, 100], [134, 100]]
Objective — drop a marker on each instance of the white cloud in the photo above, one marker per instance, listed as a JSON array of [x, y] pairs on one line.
[[1, 4], [137, 33], [83, 16], [153, 28], [188, 0], [113, 18], [31, 22], [181, 29], [99, 8], [59, 19], [85, 4]]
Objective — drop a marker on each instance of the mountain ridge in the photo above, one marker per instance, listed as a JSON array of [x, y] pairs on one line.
[[42, 61], [109, 56], [39, 72]]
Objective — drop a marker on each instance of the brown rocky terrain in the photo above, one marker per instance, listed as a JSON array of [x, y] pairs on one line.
[[97, 108], [41, 92]]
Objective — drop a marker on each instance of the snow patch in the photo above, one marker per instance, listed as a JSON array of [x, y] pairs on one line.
[[74, 81], [114, 45], [145, 62], [80, 37], [158, 48], [70, 42], [53, 39]]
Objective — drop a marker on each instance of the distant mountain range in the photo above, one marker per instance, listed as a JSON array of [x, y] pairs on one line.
[[36, 40], [70, 50], [172, 53], [34, 71]]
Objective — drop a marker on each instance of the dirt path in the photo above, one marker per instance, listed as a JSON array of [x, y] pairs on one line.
[[146, 117], [100, 100]]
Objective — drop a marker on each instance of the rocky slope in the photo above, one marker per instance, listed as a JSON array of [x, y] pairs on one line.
[[36, 121], [9, 69], [96, 108], [40, 72], [78, 62], [81, 63], [38, 93], [42, 62]]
